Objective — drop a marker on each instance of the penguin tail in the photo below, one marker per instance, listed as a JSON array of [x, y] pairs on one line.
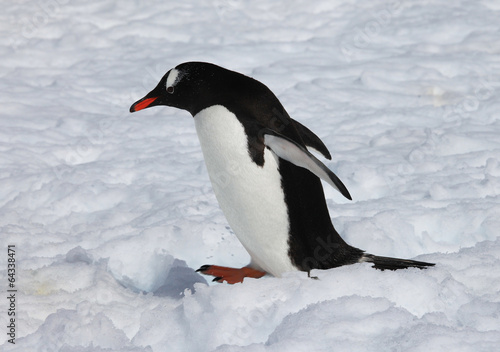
[[387, 263]]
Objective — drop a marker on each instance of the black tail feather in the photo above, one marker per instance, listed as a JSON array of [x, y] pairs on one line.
[[387, 263]]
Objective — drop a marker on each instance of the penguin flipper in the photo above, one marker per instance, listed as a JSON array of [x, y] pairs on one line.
[[311, 140], [298, 155]]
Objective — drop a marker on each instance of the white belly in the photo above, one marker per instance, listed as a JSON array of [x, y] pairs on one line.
[[250, 196]]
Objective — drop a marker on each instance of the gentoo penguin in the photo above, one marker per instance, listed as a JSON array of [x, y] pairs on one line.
[[265, 179]]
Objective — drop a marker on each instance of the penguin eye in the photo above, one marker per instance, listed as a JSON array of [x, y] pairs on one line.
[[170, 90]]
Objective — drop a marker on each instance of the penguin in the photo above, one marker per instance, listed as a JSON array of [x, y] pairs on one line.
[[264, 176]]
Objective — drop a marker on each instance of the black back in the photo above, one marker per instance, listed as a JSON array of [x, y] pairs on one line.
[[314, 242]]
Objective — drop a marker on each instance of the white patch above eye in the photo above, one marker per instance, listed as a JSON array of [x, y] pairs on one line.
[[172, 78]]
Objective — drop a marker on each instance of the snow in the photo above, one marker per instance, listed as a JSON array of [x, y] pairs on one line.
[[111, 213]]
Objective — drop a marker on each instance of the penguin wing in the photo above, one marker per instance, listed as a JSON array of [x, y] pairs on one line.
[[290, 151], [311, 140]]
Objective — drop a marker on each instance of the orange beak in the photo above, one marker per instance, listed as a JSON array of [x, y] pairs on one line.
[[142, 104]]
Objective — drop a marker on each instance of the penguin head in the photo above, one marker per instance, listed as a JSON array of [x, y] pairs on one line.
[[189, 86]]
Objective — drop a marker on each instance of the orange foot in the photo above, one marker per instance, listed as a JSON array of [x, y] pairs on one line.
[[230, 275]]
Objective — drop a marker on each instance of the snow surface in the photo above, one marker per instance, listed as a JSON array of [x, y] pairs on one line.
[[111, 213]]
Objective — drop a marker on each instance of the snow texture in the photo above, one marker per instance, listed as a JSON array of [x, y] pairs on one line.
[[112, 212]]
